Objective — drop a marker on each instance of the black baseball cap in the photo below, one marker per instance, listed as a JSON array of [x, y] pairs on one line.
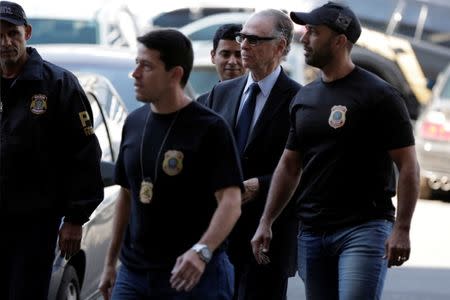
[[12, 13], [336, 16]]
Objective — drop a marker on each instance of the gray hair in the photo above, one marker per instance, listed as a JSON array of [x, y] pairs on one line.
[[283, 26]]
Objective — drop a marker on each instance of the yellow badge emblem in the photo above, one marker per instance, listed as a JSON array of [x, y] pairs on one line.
[[173, 162], [337, 116], [38, 104]]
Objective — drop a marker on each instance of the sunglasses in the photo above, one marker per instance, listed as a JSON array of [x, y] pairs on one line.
[[252, 39]]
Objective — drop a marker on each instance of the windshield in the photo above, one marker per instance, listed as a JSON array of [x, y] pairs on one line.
[[59, 31]]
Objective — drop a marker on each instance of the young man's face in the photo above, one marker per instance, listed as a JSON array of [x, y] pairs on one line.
[[13, 39], [227, 59], [151, 80]]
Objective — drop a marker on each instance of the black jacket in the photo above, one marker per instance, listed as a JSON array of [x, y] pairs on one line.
[[261, 155], [49, 154]]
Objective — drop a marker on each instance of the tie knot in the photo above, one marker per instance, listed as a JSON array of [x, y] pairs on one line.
[[254, 88]]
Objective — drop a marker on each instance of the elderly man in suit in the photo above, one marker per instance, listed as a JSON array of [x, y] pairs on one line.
[[256, 106]]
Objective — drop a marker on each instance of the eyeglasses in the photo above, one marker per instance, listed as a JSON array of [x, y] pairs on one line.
[[252, 39]]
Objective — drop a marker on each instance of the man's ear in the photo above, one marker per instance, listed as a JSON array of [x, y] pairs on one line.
[[28, 31], [282, 44], [341, 41], [177, 73], [213, 55]]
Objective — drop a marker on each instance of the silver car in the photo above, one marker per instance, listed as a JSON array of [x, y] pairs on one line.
[[78, 277], [433, 140], [116, 64]]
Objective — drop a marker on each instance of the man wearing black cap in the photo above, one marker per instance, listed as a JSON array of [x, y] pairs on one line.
[[347, 129], [49, 161]]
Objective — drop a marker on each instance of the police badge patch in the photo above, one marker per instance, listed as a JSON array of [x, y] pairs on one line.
[[146, 191], [337, 116], [38, 104], [173, 162]]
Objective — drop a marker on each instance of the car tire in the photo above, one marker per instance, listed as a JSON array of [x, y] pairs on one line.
[[69, 289]]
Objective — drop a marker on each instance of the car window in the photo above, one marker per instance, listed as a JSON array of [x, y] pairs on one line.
[[58, 31], [120, 76], [202, 79], [445, 93], [409, 18], [112, 106], [183, 16], [204, 34], [374, 14], [101, 129], [437, 29]]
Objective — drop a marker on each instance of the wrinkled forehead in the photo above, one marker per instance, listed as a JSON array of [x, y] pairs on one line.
[[259, 25]]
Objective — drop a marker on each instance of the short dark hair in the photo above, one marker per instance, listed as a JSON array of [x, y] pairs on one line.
[[175, 49], [226, 32]]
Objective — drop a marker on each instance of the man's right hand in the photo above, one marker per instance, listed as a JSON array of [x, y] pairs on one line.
[[107, 281], [261, 243]]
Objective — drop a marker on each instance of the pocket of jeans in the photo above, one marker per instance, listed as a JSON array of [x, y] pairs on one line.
[[226, 276]]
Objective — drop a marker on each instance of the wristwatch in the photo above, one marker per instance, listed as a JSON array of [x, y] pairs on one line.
[[203, 252]]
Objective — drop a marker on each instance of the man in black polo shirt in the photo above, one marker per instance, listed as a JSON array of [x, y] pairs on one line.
[[347, 129], [180, 183]]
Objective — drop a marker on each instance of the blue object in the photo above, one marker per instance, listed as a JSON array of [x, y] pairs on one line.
[[245, 119]]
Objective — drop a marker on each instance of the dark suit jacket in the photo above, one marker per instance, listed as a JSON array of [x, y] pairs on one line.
[[203, 98], [261, 155]]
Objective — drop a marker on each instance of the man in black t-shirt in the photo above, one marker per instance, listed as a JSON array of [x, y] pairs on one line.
[[180, 186], [347, 129]]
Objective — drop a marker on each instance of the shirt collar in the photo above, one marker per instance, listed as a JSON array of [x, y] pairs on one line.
[[266, 84]]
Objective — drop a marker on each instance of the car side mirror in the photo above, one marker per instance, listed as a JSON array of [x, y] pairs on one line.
[[107, 169]]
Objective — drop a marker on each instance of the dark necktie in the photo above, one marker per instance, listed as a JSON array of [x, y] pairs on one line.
[[245, 119]]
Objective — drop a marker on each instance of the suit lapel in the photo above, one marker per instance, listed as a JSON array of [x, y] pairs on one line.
[[232, 99]]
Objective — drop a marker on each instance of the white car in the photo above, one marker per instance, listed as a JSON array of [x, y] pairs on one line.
[[432, 133], [115, 63], [97, 22], [79, 276]]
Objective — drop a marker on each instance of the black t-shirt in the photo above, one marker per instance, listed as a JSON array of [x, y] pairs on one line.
[[343, 131], [197, 158]]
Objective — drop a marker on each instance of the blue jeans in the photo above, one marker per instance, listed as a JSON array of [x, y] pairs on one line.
[[216, 283], [344, 264]]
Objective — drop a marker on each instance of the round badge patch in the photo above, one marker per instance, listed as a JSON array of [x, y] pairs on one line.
[[38, 104], [173, 162], [337, 116]]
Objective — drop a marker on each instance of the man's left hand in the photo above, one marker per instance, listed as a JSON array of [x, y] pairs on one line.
[[70, 239]]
